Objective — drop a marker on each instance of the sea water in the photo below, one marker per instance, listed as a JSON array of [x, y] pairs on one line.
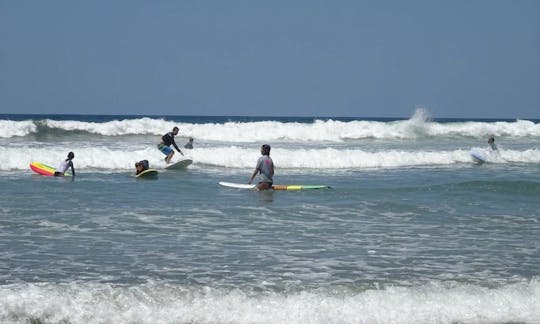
[[411, 230]]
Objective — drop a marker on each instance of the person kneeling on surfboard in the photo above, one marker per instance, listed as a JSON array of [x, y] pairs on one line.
[[64, 165], [166, 141], [264, 167], [141, 166]]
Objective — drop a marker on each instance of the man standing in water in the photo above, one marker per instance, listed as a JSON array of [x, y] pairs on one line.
[[491, 142], [264, 167], [166, 141]]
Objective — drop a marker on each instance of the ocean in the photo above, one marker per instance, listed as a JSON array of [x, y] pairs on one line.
[[411, 230]]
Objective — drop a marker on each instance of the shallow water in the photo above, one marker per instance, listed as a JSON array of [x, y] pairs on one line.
[[422, 241]]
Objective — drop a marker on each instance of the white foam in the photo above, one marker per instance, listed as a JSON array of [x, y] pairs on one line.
[[85, 157], [168, 303], [273, 131], [518, 128], [9, 128], [339, 131], [330, 158], [105, 158], [116, 127]]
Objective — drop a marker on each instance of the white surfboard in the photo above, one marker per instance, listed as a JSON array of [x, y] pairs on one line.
[[479, 155], [182, 164], [275, 187], [237, 185]]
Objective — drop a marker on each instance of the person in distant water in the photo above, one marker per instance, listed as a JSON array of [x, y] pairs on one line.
[[64, 165], [141, 166], [189, 144], [491, 142], [265, 169], [166, 141]]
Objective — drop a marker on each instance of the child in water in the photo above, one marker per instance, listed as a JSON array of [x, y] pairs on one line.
[[141, 166], [189, 144], [64, 165]]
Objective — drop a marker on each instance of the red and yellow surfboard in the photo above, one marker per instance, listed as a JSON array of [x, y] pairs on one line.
[[42, 169]]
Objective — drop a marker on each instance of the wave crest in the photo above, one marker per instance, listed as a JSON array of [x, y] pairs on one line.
[[418, 126]]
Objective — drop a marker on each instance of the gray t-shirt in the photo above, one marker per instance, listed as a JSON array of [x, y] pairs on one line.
[[265, 165]]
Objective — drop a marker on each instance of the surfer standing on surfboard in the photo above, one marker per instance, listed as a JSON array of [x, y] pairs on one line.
[[265, 167], [64, 165], [166, 141]]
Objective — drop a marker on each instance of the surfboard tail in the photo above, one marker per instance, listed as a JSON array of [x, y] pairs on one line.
[[298, 187]]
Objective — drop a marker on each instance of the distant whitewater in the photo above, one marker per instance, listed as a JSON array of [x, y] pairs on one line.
[[270, 129]]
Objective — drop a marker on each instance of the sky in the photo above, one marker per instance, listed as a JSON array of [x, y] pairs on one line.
[[454, 58]]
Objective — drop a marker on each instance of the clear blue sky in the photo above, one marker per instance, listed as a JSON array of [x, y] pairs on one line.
[[456, 58]]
